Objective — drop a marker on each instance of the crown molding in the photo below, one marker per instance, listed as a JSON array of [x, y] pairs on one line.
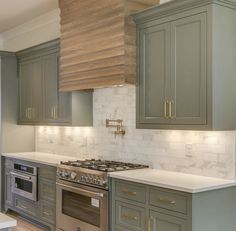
[[36, 23], [176, 6]]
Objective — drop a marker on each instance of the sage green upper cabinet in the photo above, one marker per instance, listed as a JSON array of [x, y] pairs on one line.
[[182, 81], [154, 66], [30, 85], [57, 105], [40, 102]]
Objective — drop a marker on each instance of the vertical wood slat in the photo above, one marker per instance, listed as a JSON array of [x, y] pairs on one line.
[[98, 42]]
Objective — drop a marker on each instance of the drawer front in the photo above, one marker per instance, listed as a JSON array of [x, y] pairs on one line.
[[129, 216], [121, 229], [47, 212], [47, 172], [26, 206], [167, 200], [47, 190], [130, 191]]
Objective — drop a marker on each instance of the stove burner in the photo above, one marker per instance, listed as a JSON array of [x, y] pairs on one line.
[[104, 165]]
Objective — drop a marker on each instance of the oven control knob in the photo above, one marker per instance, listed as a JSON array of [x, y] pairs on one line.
[[66, 174], [82, 178], [62, 174], [73, 175]]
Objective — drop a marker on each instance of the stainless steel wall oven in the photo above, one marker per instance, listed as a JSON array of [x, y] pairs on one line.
[[24, 181]]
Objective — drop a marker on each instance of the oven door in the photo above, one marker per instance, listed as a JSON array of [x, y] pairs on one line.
[[24, 185], [81, 208]]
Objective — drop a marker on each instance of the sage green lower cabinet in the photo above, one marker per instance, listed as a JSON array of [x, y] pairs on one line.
[[160, 221], [164, 209], [42, 211]]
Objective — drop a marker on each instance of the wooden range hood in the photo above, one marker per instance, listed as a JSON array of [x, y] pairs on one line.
[[98, 43]]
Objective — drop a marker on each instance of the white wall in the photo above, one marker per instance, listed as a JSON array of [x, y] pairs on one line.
[[1, 43], [36, 31]]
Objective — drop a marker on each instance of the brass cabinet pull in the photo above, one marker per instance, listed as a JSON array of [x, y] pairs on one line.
[[149, 223], [55, 112], [23, 207], [52, 112], [129, 217], [165, 109], [170, 109], [47, 213], [26, 113], [130, 193], [167, 201]]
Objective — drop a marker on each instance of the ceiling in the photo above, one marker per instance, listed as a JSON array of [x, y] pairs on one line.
[[16, 12]]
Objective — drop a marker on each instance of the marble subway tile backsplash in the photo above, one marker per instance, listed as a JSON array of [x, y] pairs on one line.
[[194, 152]]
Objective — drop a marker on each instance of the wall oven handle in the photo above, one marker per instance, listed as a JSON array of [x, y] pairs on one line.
[[81, 190], [20, 176]]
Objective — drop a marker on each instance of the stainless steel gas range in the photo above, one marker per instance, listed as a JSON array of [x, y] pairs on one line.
[[82, 194]]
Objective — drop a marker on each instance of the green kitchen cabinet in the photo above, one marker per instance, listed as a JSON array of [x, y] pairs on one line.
[[40, 102], [30, 88], [42, 211], [159, 221], [182, 81], [143, 207]]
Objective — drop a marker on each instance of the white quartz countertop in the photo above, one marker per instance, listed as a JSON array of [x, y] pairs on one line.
[[6, 221], [173, 180], [39, 157]]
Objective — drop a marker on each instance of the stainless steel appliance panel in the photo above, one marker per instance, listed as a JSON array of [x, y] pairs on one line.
[[81, 208]]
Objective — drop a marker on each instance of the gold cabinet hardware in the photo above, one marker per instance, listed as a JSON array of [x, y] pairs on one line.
[[55, 112], [165, 109], [130, 193], [149, 223], [167, 200], [52, 115], [129, 217], [23, 207], [47, 213], [170, 109], [26, 113]]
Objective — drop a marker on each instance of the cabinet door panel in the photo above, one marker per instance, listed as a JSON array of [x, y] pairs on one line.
[[57, 106], [154, 73], [30, 90], [163, 222], [188, 75]]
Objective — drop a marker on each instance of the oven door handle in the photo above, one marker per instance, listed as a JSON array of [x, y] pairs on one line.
[[20, 176], [79, 190]]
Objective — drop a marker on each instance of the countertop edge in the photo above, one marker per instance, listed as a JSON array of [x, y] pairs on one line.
[[176, 188]]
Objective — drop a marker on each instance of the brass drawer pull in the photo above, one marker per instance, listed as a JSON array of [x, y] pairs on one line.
[[130, 193], [23, 207], [167, 201], [150, 219], [47, 213], [129, 217]]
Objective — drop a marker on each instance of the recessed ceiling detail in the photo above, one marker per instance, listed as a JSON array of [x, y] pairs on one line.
[[15, 12]]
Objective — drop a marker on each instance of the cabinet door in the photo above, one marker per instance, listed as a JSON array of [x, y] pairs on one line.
[[188, 70], [30, 84], [56, 105], [154, 74], [7, 188], [163, 222]]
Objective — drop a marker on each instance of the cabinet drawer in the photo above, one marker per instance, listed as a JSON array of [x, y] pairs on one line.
[[47, 172], [47, 212], [47, 190], [130, 191], [25, 206], [168, 200], [129, 216]]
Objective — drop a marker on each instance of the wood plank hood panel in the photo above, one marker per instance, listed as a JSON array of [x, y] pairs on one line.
[[98, 43]]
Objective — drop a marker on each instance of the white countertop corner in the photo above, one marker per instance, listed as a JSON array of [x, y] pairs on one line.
[[174, 180]]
